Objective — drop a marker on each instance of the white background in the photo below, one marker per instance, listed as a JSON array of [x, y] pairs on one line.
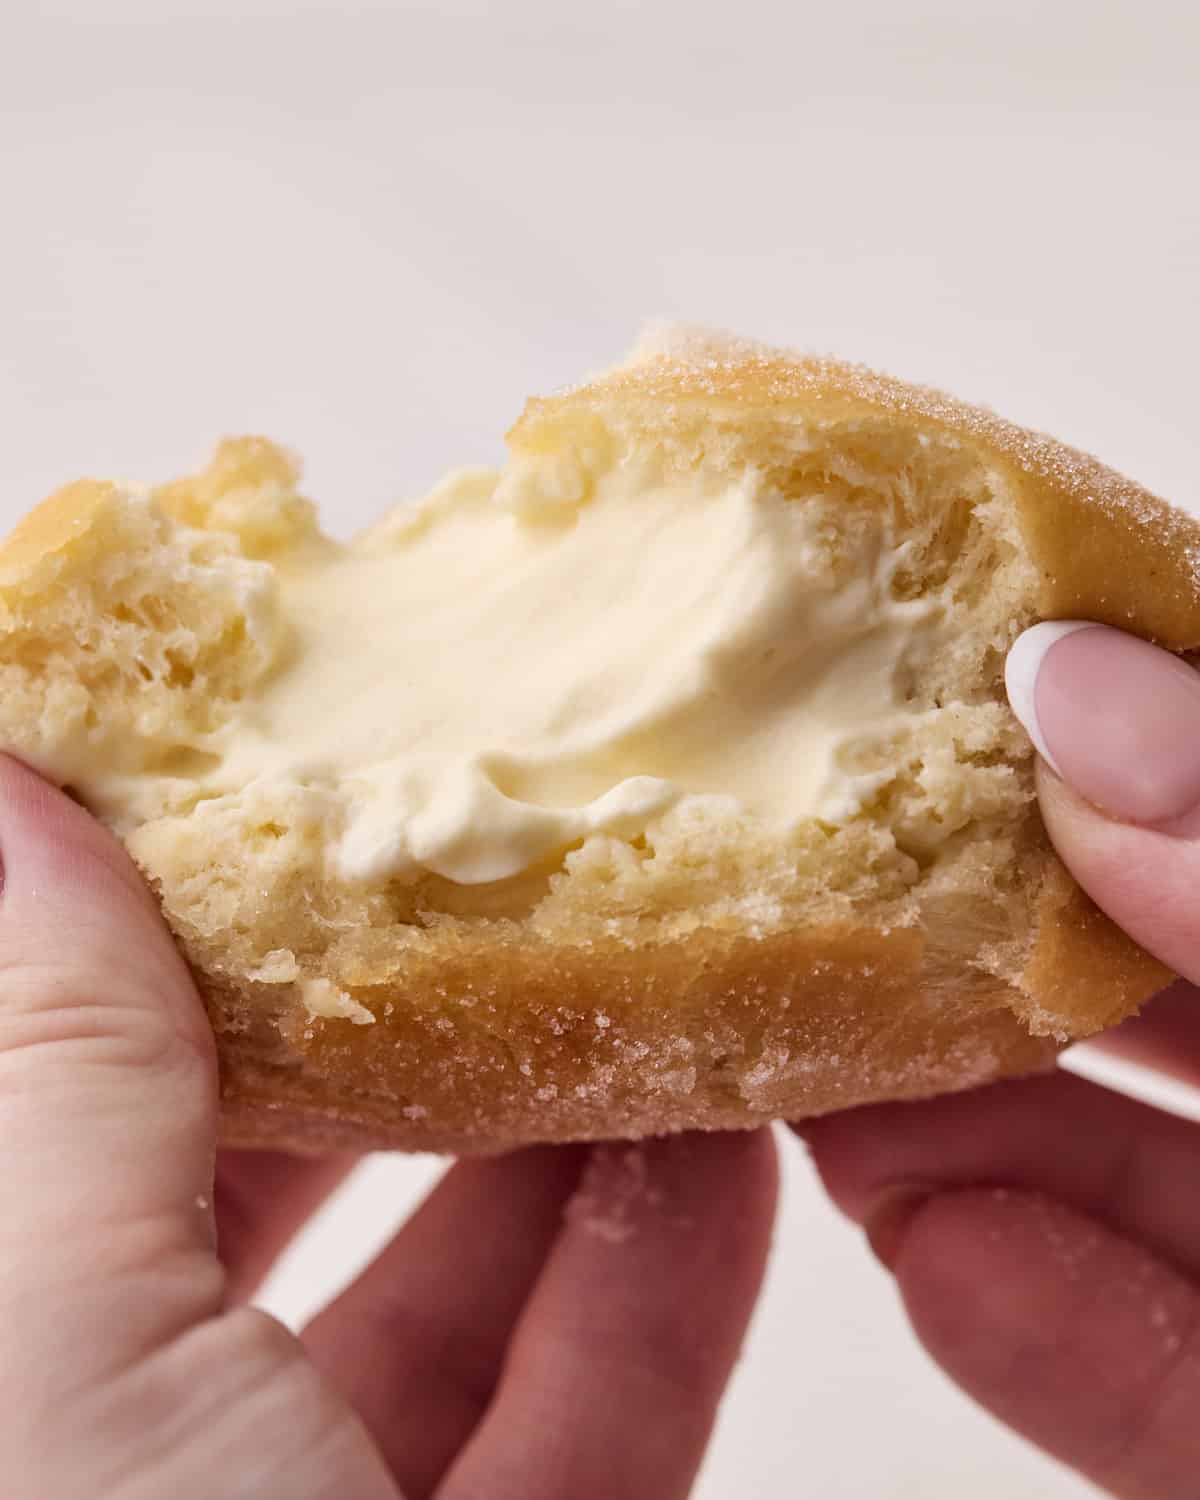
[[371, 229]]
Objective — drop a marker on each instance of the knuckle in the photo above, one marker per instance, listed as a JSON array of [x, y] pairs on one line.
[[255, 1343], [264, 1396]]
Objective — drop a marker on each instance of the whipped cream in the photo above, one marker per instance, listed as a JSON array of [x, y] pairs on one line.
[[535, 655]]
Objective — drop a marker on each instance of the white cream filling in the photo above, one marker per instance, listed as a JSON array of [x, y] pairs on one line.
[[521, 661]]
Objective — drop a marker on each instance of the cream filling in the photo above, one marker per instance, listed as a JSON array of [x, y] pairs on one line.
[[510, 666]]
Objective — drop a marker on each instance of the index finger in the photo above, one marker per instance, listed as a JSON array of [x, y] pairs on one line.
[[614, 1374]]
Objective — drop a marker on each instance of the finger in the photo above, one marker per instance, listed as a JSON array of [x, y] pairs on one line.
[[262, 1199], [114, 1372], [617, 1365], [1108, 1156], [1076, 1337], [107, 1099], [1164, 1037], [1044, 1234], [1119, 721], [418, 1341]]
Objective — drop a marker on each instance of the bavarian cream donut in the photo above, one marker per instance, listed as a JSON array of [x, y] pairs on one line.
[[662, 778]]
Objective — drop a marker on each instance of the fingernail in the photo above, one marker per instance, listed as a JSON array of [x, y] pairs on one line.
[[1116, 718], [888, 1223], [1021, 674]]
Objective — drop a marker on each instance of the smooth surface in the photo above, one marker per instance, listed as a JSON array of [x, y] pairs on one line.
[[1107, 700], [371, 229]]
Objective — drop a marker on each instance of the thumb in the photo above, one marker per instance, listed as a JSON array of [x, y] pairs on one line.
[[107, 1100], [1117, 723]]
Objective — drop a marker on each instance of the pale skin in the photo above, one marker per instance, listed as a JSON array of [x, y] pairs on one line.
[[562, 1322]]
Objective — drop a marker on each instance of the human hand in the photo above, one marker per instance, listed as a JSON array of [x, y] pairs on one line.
[[494, 1348], [1045, 1234]]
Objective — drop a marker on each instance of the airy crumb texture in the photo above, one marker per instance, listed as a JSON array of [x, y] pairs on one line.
[[708, 973]]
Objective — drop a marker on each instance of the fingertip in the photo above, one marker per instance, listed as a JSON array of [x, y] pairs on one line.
[[674, 1184], [53, 851], [1115, 716], [1075, 1336], [1116, 721], [637, 1319]]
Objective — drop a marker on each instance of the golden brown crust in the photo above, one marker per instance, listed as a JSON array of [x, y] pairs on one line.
[[493, 1034], [485, 1047], [60, 520], [721, 1032], [1107, 549]]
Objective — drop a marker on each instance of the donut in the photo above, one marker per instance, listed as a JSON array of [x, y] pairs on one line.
[[661, 778]]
